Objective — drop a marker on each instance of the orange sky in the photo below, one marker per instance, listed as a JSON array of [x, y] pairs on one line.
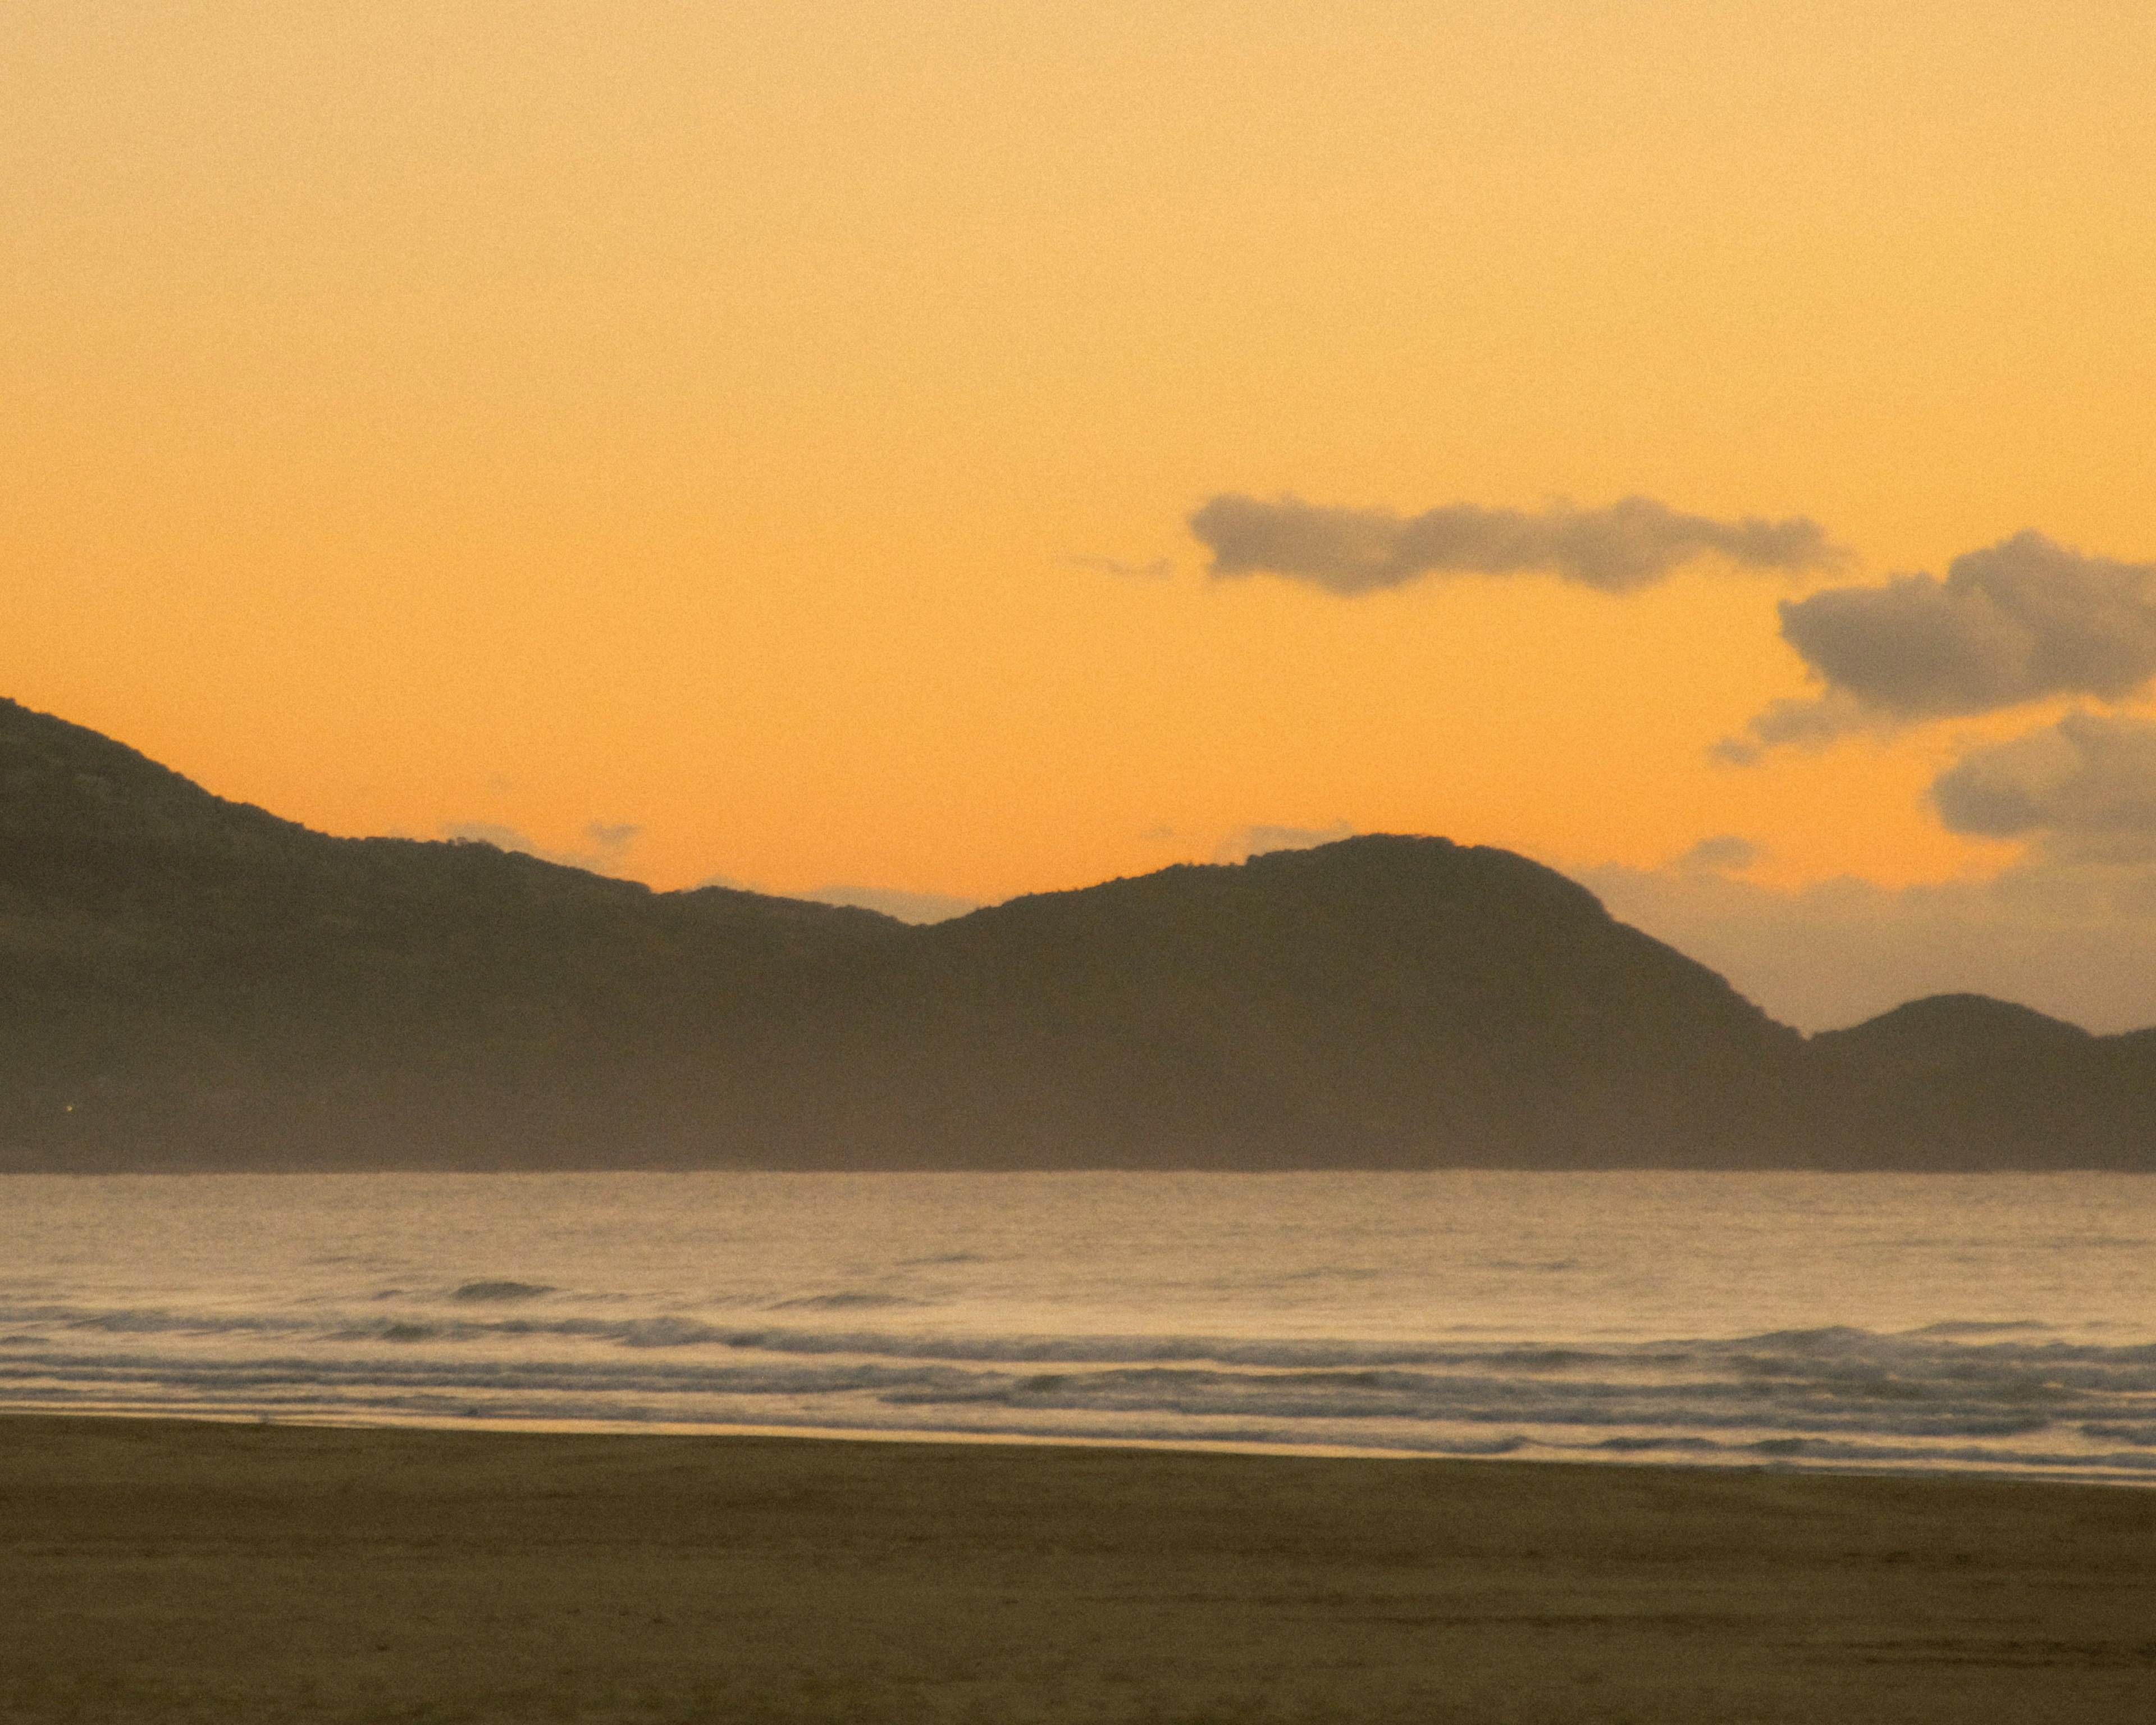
[[683, 415]]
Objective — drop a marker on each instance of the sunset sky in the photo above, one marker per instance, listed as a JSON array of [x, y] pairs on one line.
[[968, 449]]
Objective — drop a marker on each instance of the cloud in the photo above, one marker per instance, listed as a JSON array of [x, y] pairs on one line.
[[1629, 545], [907, 907], [1247, 842], [609, 843], [2019, 621], [2069, 930], [2076, 940], [487, 832], [1724, 853], [2084, 789], [1159, 569], [1807, 724]]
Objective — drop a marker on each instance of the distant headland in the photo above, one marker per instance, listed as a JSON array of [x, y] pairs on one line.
[[189, 983]]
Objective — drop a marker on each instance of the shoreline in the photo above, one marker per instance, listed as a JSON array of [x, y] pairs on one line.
[[1021, 1440], [160, 1570], [13, 1165]]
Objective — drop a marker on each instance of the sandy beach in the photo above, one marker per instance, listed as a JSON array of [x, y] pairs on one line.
[[169, 1571]]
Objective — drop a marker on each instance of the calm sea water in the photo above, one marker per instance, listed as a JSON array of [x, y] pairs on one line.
[[2000, 1323]]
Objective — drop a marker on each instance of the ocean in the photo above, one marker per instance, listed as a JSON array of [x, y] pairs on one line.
[[2000, 1323]]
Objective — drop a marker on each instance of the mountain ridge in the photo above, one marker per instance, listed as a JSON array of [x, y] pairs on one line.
[[186, 982]]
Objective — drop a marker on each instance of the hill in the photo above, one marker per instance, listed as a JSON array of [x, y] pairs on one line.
[[1958, 1081], [1383, 1001], [185, 980], [190, 983]]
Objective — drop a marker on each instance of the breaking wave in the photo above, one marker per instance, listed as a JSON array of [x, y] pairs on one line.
[[1837, 1397], [871, 1319]]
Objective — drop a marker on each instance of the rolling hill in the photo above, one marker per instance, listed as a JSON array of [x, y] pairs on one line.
[[187, 983]]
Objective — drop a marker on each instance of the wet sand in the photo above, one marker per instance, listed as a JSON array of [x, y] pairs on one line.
[[167, 1571]]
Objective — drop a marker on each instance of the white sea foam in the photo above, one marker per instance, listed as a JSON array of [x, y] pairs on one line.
[[2004, 1323]]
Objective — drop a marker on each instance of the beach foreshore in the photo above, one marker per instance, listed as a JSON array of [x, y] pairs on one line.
[[168, 1570]]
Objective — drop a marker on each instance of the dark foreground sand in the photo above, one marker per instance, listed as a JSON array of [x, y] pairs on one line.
[[166, 1571]]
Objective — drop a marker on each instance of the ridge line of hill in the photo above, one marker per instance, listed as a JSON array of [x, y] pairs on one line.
[[187, 983]]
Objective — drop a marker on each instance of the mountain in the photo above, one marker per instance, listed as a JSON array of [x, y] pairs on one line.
[[184, 979], [190, 983], [1961, 1080], [1383, 1001]]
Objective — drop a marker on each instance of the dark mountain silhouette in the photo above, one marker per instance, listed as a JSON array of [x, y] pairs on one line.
[[1379, 1002], [183, 978], [1959, 1080], [190, 983], [1945, 1032]]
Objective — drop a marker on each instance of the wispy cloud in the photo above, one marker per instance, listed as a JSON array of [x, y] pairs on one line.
[[1629, 545], [1247, 842], [609, 843], [1724, 853], [1159, 569]]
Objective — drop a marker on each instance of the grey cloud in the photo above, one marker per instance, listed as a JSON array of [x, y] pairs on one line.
[[1629, 545], [1247, 842], [2016, 621], [2084, 788]]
